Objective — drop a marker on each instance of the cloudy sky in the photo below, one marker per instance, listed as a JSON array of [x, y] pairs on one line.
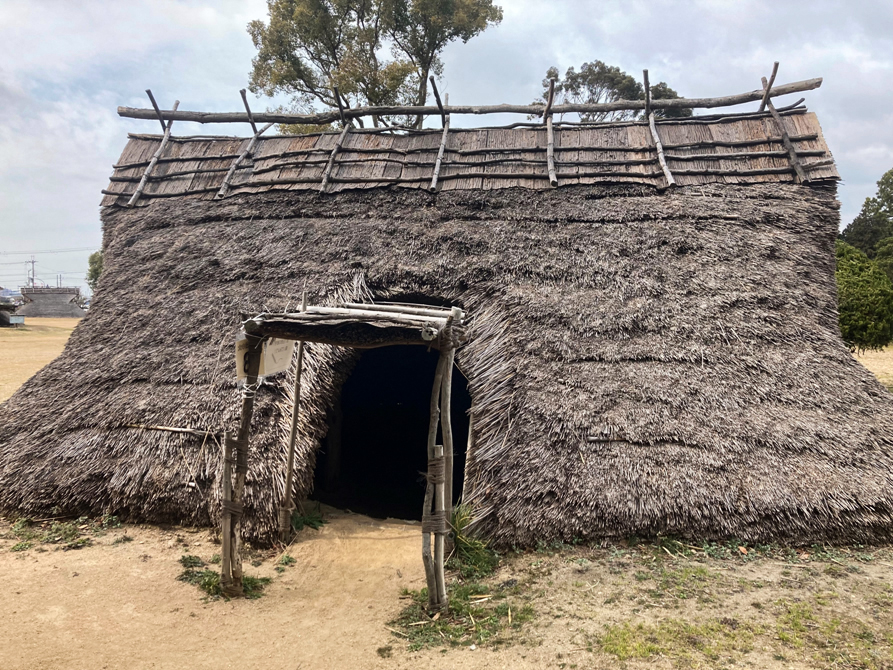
[[66, 66]]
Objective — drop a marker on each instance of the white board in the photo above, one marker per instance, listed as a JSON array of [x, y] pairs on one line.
[[276, 357]]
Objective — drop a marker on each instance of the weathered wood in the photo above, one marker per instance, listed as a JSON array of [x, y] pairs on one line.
[[287, 505], [647, 94], [768, 87], [550, 98], [427, 554], [550, 152], [438, 313], [432, 574], [154, 161], [368, 312], [439, 510], [442, 149], [225, 186], [446, 430], [660, 151], [252, 367], [226, 519], [792, 152], [443, 118], [340, 105], [248, 111], [157, 110], [348, 331], [328, 171], [329, 117]]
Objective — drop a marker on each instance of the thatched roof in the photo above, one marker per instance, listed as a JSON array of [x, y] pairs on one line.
[[739, 149], [640, 360]]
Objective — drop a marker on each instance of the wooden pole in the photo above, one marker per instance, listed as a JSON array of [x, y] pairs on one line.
[[430, 524], [785, 138], [287, 505], [768, 87], [647, 94], [226, 518], [660, 151], [155, 107], [248, 111], [443, 118], [355, 112], [152, 163], [232, 583], [440, 531], [443, 142], [550, 152], [225, 185], [331, 163]]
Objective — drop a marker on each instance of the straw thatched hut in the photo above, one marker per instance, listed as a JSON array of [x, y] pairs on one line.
[[640, 359], [51, 302]]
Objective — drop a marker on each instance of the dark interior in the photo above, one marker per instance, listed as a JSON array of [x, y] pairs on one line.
[[373, 459]]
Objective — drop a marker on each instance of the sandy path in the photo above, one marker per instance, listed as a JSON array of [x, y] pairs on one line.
[[327, 610]]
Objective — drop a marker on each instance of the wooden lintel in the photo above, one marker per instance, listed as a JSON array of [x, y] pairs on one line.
[[345, 332]]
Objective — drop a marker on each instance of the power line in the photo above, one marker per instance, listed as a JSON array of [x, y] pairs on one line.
[[46, 251]]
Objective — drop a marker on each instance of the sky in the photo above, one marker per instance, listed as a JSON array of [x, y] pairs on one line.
[[66, 66]]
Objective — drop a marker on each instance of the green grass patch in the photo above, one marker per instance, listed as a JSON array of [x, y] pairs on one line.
[[478, 614], [715, 640], [196, 572]]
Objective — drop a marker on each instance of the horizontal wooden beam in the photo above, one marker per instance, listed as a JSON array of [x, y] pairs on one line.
[[330, 117], [340, 331]]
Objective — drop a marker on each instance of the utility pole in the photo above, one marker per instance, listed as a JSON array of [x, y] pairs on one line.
[[32, 271]]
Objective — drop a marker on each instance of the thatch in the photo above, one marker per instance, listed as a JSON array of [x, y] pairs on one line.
[[51, 302], [640, 360]]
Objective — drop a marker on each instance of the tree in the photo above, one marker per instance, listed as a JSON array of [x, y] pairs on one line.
[[311, 46], [865, 300], [94, 269], [597, 82], [875, 221]]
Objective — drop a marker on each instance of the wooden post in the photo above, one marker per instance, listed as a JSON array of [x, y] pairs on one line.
[[432, 523], [231, 583], [440, 527], [226, 517], [287, 504], [647, 94]]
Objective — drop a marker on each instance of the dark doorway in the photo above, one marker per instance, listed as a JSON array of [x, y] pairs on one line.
[[373, 458]]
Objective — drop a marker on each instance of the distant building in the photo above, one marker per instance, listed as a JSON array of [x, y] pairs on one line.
[[55, 302]]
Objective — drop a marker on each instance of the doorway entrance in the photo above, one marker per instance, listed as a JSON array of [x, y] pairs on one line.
[[373, 459]]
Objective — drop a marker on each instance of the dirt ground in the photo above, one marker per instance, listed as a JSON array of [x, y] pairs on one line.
[[27, 348], [116, 602]]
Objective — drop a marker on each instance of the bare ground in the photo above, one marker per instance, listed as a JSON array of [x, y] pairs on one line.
[[117, 603], [26, 349]]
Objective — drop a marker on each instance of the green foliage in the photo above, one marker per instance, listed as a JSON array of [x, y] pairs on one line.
[[472, 559], [597, 82], [310, 46], [874, 224], [311, 519], [865, 300], [94, 269]]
